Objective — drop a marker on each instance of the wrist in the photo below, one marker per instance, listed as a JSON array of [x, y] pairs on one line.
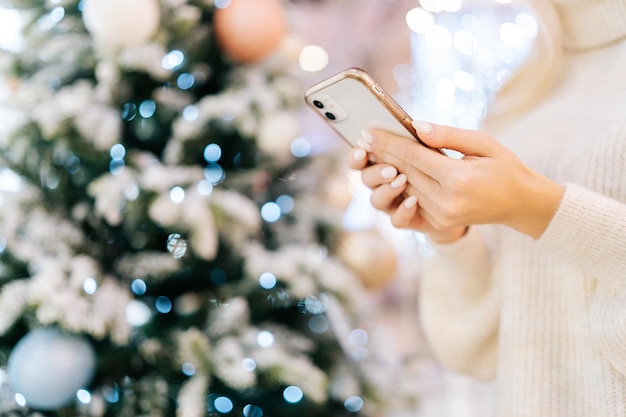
[[543, 197], [448, 236]]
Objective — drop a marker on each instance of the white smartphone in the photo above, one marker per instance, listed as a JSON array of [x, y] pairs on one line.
[[352, 101]]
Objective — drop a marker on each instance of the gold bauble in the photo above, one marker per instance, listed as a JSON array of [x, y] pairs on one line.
[[370, 255]]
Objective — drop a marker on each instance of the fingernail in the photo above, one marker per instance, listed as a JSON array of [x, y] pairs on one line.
[[423, 127], [362, 144], [359, 154], [367, 136], [388, 172], [410, 202], [399, 181]]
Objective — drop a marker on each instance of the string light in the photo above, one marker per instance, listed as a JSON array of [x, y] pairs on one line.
[[462, 58]]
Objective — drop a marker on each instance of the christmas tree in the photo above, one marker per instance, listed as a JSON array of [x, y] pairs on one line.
[[165, 249]]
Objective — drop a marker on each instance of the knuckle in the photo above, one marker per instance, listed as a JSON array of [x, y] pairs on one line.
[[458, 180], [398, 221], [369, 178], [451, 214], [378, 201]]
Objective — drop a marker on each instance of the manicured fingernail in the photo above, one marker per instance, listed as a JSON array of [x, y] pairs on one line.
[[410, 202], [362, 144], [423, 127], [388, 172], [359, 154], [399, 181], [367, 136]]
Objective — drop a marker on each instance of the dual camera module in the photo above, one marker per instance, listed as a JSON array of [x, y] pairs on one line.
[[328, 107], [329, 115]]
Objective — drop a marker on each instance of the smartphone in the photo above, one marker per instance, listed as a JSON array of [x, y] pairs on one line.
[[352, 101]]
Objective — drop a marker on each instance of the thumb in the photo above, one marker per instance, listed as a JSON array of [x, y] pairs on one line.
[[467, 142]]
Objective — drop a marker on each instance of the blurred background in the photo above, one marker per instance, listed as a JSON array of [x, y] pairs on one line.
[[179, 236]]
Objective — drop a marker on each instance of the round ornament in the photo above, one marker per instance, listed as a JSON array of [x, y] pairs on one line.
[[370, 255], [47, 367], [250, 30], [276, 133], [119, 23], [337, 191]]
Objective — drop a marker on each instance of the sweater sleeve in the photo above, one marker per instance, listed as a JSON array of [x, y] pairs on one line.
[[589, 232], [459, 306]]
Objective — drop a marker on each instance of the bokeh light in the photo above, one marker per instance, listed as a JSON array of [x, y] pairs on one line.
[[137, 313], [286, 203], [270, 212], [212, 153], [223, 405], [83, 396], [319, 324], [252, 411], [293, 394], [470, 54], [300, 147], [265, 339], [90, 286], [248, 364], [173, 59], [267, 280], [163, 304], [188, 369], [419, 20], [177, 195], [191, 113], [313, 58], [147, 108], [138, 287], [354, 404], [11, 23]]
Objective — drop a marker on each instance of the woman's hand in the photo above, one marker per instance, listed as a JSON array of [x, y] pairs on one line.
[[445, 195]]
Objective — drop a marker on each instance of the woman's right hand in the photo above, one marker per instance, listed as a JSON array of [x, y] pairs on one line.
[[392, 194]]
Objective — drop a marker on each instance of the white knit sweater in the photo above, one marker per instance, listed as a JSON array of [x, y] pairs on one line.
[[547, 318]]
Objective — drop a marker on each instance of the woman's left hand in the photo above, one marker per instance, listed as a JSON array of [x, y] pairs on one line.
[[489, 184]]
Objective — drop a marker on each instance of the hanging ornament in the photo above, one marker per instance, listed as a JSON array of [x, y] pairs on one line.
[[249, 30], [370, 255], [276, 133], [119, 23], [336, 191], [47, 367]]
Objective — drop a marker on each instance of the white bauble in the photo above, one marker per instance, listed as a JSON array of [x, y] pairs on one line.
[[47, 367], [121, 22], [276, 133]]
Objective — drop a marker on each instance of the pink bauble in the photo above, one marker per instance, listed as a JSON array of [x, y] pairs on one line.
[[250, 30]]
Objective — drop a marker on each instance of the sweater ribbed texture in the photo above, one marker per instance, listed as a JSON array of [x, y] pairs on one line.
[[589, 23], [547, 318]]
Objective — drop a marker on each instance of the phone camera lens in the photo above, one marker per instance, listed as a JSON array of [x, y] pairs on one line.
[[330, 116], [318, 104]]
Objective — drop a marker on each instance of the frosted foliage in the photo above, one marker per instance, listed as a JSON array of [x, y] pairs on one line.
[[228, 363], [191, 398], [303, 268], [139, 218], [228, 317]]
